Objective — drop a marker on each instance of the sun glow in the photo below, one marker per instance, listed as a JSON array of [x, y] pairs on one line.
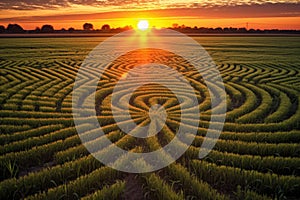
[[143, 25]]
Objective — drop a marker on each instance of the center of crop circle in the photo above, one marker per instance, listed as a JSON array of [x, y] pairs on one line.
[[158, 116]]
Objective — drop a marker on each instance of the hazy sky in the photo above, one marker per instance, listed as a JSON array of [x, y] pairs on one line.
[[209, 13]]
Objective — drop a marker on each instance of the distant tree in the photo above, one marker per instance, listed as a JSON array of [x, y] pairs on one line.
[[47, 29], [88, 26], [174, 25], [242, 30], [226, 30], [2, 29], [37, 30], [202, 29], [251, 30], [127, 28], [182, 26], [71, 29], [105, 27], [14, 28], [233, 30], [218, 30]]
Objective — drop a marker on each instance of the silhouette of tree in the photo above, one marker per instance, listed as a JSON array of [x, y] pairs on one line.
[[242, 30], [71, 29], [219, 30], [2, 29], [37, 30], [127, 28], [14, 28], [251, 30], [47, 29], [175, 25], [226, 30], [88, 27], [233, 30], [105, 27]]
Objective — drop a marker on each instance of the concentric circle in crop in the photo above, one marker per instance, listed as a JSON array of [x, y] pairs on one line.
[[100, 60]]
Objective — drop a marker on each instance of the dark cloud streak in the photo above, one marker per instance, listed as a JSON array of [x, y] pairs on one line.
[[124, 4], [52, 4], [242, 11]]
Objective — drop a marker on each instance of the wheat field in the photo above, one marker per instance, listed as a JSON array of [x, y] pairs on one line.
[[256, 156]]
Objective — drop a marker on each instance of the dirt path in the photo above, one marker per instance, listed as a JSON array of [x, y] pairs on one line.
[[133, 188]]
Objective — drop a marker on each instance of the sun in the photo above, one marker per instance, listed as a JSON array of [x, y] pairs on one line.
[[143, 25]]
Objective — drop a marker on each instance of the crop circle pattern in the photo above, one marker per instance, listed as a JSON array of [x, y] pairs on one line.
[[85, 95]]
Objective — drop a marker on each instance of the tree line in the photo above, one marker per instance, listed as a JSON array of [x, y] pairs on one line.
[[88, 27], [16, 28]]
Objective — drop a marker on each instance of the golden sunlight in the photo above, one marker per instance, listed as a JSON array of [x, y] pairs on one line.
[[143, 25]]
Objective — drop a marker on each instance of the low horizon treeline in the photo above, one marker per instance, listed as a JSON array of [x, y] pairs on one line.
[[89, 28]]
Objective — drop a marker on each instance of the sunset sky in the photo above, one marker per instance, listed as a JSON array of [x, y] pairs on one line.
[[263, 14]]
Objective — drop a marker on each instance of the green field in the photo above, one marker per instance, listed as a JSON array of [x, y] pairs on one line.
[[256, 157]]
